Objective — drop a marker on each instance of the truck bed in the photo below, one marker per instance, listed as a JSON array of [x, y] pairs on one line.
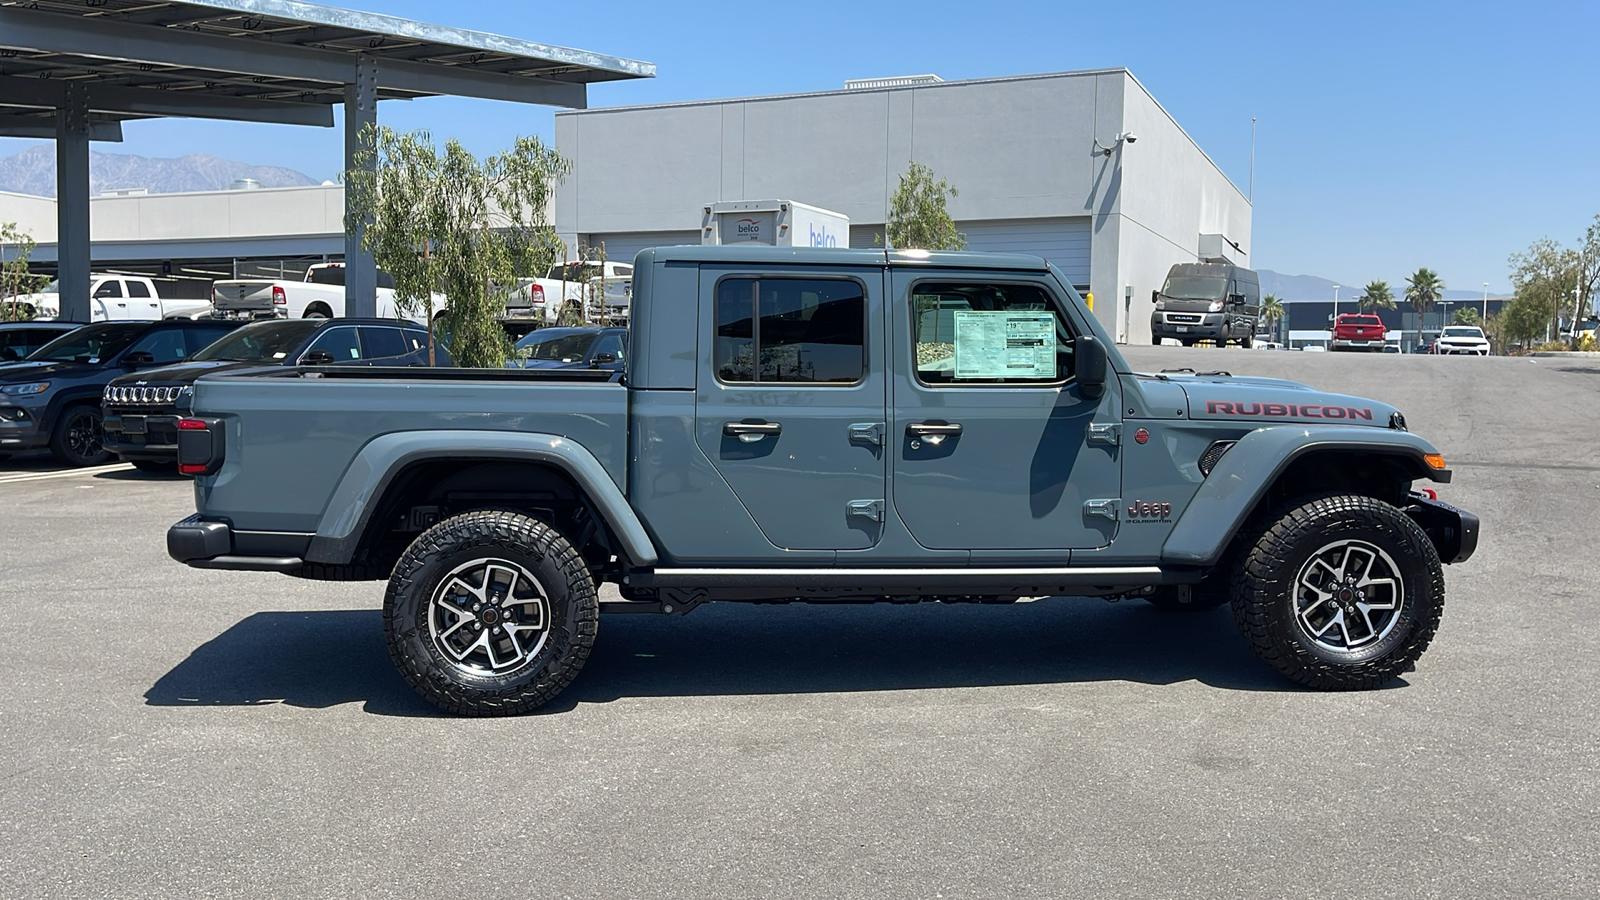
[[298, 431]]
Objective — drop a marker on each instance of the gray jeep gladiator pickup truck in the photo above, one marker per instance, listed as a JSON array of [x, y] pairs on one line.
[[830, 426]]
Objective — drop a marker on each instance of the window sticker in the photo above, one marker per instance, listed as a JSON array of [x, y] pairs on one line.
[[1005, 344]]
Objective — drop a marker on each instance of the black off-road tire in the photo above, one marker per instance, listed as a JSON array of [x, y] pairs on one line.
[[77, 439], [1276, 605], [421, 609]]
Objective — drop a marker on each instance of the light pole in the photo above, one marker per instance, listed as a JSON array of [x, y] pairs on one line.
[[1486, 301]]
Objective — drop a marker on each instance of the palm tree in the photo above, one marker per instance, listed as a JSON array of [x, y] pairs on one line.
[[1376, 296], [1423, 288], [1272, 311]]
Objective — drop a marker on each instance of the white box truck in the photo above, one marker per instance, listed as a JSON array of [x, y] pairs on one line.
[[776, 223]]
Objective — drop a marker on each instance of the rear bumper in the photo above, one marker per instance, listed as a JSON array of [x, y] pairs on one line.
[[214, 545], [1454, 532]]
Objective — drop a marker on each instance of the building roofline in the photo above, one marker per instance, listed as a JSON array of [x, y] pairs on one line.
[[845, 91], [1133, 78]]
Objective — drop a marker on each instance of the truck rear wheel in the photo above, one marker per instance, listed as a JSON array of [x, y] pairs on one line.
[[490, 614], [1339, 593]]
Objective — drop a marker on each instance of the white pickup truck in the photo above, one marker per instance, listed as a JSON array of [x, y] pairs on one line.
[[117, 298], [320, 295], [581, 281]]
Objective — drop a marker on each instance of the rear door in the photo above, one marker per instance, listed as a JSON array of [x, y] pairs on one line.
[[789, 406], [992, 439]]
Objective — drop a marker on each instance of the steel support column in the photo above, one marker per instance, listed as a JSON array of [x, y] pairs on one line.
[[360, 112], [72, 203]]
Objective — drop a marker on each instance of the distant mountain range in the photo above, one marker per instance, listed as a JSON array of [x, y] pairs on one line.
[[33, 171], [1312, 288]]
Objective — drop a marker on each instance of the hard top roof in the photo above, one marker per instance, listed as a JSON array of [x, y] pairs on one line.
[[962, 259]]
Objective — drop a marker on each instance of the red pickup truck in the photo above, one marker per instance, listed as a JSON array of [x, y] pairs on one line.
[[1358, 331]]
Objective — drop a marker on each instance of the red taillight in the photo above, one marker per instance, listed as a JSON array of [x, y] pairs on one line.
[[191, 425], [199, 446], [537, 293], [279, 298]]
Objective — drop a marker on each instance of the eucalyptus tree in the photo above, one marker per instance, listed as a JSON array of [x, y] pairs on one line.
[[447, 223], [918, 217]]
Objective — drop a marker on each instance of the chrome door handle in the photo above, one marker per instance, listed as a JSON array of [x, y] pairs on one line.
[[933, 432], [750, 432]]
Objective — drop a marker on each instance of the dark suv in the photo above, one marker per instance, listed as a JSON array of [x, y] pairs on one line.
[[52, 399], [142, 408], [19, 339]]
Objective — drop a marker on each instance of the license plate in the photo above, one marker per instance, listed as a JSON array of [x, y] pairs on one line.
[[1181, 328], [133, 424]]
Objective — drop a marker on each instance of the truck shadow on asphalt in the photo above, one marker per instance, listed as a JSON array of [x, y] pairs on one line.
[[323, 659]]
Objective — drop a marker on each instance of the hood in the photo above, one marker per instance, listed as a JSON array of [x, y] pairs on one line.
[[33, 371], [180, 373], [1275, 401]]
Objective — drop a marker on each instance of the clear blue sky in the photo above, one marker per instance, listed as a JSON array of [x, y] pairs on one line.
[[1391, 135]]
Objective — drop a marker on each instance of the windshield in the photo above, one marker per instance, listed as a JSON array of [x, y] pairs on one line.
[[563, 347], [262, 342], [90, 344], [574, 272], [1195, 287], [1462, 332], [53, 287], [1361, 320]]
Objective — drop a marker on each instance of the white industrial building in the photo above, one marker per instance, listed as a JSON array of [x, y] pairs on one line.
[[1037, 161], [1029, 156]]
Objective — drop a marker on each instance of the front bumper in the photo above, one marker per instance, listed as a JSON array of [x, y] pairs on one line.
[[1461, 350], [1188, 326], [22, 428], [1454, 532]]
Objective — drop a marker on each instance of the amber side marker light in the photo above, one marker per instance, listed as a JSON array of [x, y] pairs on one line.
[[1434, 460]]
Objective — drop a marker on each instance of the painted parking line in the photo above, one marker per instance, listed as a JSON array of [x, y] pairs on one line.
[[70, 473]]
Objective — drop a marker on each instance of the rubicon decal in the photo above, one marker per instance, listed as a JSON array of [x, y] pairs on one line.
[[1285, 411]]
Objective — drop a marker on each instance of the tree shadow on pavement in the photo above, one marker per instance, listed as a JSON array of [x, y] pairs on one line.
[[323, 659]]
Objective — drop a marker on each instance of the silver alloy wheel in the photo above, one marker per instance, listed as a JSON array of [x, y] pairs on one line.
[[489, 616], [1348, 595]]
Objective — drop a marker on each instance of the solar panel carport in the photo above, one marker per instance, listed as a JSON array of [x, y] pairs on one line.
[[75, 70]]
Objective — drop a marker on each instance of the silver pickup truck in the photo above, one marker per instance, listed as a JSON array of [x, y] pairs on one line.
[[826, 426]]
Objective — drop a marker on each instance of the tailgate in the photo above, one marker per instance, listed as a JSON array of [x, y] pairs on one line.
[[242, 294]]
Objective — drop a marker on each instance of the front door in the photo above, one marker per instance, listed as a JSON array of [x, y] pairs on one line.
[[791, 410], [991, 435]]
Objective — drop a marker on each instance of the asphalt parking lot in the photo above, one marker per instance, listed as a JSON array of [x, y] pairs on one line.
[[171, 732]]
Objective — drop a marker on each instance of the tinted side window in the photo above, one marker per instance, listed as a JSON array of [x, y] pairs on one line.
[[978, 333], [138, 289], [111, 288], [340, 343], [166, 346], [378, 342], [198, 339], [790, 330], [610, 344]]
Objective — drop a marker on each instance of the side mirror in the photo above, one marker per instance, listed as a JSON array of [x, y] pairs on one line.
[[317, 358], [601, 359], [1155, 295], [139, 358], [1091, 365], [1236, 299]]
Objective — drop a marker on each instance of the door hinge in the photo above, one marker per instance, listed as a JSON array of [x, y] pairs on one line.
[[1105, 434], [866, 509], [1104, 508], [867, 433]]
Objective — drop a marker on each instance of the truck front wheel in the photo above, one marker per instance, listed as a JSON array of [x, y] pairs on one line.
[[1339, 593], [490, 613]]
